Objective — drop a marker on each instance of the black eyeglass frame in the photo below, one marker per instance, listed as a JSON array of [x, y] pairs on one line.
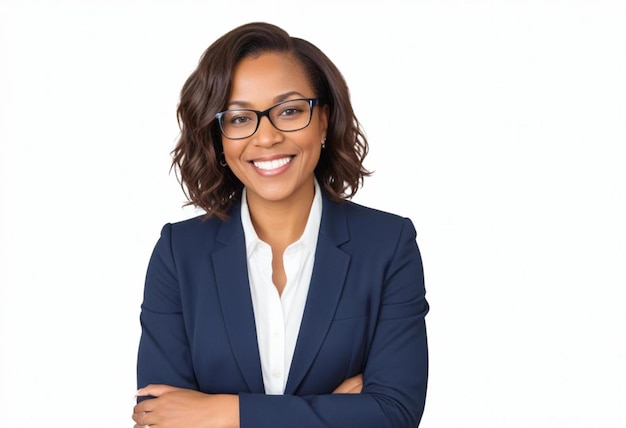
[[266, 113]]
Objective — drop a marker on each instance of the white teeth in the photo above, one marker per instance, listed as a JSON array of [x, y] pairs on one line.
[[273, 164]]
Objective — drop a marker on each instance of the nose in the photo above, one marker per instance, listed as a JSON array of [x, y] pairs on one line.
[[266, 134]]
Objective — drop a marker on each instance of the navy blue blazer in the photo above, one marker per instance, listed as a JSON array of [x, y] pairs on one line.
[[364, 314]]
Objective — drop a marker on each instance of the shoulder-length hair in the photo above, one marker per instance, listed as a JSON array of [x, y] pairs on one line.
[[196, 158]]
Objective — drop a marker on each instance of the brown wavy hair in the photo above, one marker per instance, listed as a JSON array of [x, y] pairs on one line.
[[196, 158]]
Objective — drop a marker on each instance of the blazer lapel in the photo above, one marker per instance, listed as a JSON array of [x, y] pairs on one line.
[[231, 272], [327, 281]]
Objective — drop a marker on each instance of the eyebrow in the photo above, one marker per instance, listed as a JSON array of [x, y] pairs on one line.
[[277, 99]]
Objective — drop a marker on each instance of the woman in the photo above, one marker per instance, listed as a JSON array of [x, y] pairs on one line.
[[285, 305]]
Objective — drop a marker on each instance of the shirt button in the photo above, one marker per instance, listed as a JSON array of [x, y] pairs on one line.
[[275, 374]]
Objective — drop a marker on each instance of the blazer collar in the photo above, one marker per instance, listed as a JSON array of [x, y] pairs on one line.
[[231, 275], [327, 281]]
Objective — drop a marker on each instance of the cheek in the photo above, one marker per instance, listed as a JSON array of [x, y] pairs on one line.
[[312, 158], [232, 156], [312, 147], [312, 141], [232, 150]]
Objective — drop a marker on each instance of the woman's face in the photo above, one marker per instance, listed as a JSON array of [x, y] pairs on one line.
[[275, 166]]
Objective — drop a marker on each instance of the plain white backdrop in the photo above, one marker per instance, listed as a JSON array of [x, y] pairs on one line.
[[498, 127]]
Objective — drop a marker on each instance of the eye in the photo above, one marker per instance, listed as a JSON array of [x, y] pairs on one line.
[[235, 120], [239, 118], [290, 111]]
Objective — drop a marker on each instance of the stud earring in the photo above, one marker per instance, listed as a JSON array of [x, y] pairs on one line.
[[323, 142]]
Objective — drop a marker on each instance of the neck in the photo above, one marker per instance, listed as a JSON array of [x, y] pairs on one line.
[[280, 223]]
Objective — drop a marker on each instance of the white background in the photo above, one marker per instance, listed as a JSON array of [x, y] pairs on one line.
[[498, 127]]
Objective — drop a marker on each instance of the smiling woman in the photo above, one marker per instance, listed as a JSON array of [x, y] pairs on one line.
[[277, 166], [285, 304]]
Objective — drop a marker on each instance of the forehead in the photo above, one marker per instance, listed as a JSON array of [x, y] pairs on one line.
[[264, 78]]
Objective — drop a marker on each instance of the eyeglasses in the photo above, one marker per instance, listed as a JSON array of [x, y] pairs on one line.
[[286, 116]]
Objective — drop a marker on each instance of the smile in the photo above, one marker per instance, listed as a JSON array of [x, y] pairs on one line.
[[272, 164]]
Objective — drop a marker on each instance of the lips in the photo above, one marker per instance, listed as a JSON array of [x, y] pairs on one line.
[[273, 164]]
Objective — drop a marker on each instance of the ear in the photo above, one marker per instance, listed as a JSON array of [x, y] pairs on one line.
[[323, 112]]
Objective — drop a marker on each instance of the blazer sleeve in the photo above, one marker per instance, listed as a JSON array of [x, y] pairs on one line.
[[396, 371], [164, 354]]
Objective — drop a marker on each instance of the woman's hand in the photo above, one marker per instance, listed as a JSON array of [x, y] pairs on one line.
[[177, 407], [352, 385]]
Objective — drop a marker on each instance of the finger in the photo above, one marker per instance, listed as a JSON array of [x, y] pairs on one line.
[[356, 389], [353, 381], [145, 406], [155, 390], [357, 381], [137, 417], [353, 385], [144, 418]]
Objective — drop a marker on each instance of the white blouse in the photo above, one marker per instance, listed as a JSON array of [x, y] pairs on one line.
[[278, 317]]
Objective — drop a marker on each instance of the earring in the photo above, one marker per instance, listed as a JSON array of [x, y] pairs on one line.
[[323, 142], [223, 160]]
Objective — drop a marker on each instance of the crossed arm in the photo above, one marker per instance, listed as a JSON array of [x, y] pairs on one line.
[[176, 407]]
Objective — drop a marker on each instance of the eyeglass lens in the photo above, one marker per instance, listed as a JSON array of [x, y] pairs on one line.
[[287, 116]]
